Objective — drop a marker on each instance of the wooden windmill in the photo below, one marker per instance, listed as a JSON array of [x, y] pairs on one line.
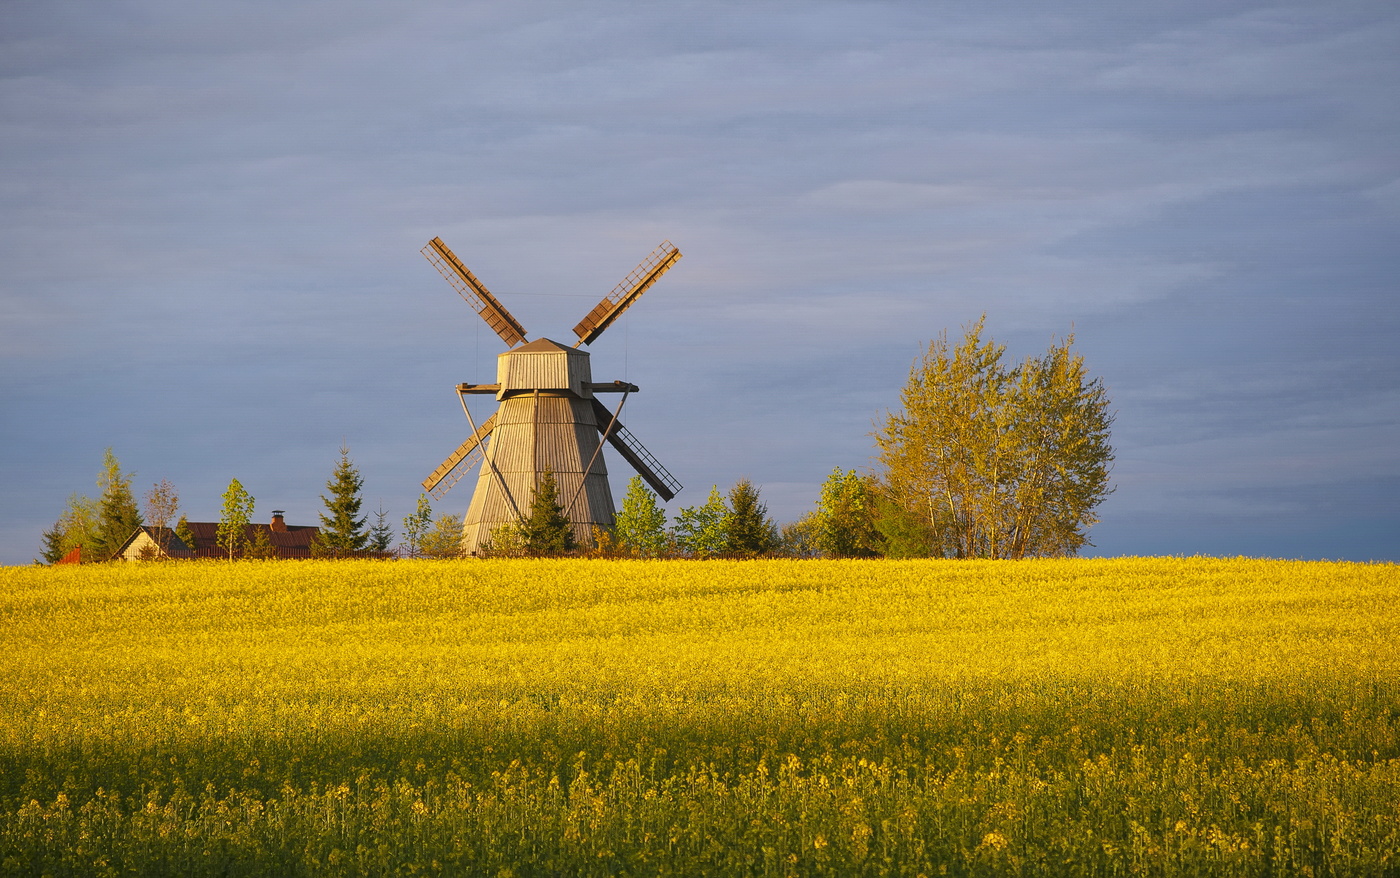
[[549, 417]]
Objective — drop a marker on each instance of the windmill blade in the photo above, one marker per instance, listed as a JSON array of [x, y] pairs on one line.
[[459, 462], [465, 283], [624, 294], [635, 453]]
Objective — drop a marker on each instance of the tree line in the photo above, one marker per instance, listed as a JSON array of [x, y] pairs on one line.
[[733, 525], [982, 459], [98, 528]]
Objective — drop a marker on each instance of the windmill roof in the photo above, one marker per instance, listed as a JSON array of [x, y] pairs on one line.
[[540, 346]]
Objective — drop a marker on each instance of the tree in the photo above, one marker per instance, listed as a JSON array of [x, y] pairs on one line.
[[184, 533], [904, 533], [118, 517], [703, 531], [381, 536], [797, 539], [76, 526], [233, 522], [443, 540], [547, 530], [640, 528], [996, 462], [748, 531], [844, 522], [53, 546], [416, 526], [506, 541], [161, 505], [260, 547], [342, 532]]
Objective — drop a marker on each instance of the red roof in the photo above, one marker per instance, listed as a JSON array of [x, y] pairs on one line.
[[294, 542]]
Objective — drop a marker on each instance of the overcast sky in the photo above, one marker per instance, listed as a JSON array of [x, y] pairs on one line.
[[211, 217]]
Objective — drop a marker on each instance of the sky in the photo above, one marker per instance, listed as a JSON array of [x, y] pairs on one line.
[[211, 217]]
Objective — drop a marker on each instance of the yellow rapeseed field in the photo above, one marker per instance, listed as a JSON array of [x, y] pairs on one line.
[[1080, 717]]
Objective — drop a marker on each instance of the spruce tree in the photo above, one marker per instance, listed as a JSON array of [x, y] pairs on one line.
[[260, 547], [53, 545], [547, 530], [184, 533], [342, 531], [381, 536], [748, 529], [118, 516]]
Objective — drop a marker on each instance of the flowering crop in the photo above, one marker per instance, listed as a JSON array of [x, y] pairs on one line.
[[534, 717]]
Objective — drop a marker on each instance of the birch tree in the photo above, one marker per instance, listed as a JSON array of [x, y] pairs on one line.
[[640, 526], [232, 533], [161, 504], [986, 461]]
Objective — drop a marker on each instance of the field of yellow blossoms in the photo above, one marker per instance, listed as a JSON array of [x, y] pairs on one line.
[[1179, 716]]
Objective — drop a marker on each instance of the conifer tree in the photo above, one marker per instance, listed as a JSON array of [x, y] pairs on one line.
[[234, 521], [53, 545], [748, 529], [547, 530], [640, 527], [342, 532], [381, 536], [184, 533], [118, 516]]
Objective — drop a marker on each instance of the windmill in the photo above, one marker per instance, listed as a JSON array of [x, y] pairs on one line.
[[549, 417]]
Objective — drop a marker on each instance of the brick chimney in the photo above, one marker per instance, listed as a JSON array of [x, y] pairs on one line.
[[278, 525]]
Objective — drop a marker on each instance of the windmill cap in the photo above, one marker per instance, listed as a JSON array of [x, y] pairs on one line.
[[540, 345]]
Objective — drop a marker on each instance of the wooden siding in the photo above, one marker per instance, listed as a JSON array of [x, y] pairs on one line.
[[543, 365], [533, 434]]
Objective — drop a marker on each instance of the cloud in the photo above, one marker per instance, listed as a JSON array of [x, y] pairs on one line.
[[226, 204]]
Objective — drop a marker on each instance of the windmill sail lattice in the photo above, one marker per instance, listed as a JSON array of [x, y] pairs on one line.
[[475, 292], [657, 263], [460, 462], [548, 418], [632, 450]]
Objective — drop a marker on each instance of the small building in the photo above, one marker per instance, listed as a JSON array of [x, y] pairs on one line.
[[284, 540]]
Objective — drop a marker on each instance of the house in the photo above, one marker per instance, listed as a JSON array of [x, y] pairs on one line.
[[287, 541]]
